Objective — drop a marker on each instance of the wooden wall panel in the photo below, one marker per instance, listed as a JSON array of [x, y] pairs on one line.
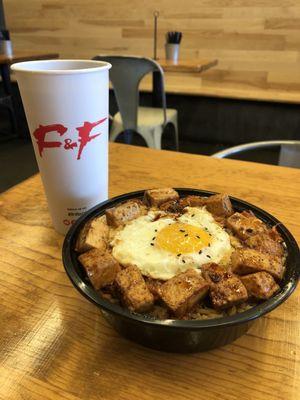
[[257, 42]]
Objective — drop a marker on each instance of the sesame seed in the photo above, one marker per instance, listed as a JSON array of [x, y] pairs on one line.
[[186, 235], [183, 261], [153, 238], [178, 255], [181, 230], [197, 236], [207, 255], [208, 244], [155, 230], [200, 251], [152, 244], [192, 215]]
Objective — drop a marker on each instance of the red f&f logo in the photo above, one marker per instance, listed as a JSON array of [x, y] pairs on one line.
[[84, 136]]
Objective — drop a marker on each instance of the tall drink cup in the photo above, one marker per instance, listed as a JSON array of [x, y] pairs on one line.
[[66, 106]]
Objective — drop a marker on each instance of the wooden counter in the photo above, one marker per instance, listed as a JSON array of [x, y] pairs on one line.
[[54, 344], [26, 56], [188, 66], [193, 84]]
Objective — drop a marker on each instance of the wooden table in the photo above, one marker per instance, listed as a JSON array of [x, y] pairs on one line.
[[19, 56], [5, 63], [181, 66], [186, 65], [56, 345]]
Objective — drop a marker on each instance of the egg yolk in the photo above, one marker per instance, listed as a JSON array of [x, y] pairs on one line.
[[180, 238]]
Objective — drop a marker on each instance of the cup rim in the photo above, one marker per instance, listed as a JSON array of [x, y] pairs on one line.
[[32, 67]]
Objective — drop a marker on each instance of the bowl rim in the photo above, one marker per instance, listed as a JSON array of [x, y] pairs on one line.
[[253, 313]]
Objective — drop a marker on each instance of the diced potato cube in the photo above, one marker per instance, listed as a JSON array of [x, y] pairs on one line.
[[154, 285], [265, 244], [125, 212], [226, 289], [171, 206], [101, 268], [247, 261], [260, 285], [228, 292], [183, 291], [134, 290], [93, 235], [192, 201], [245, 224], [219, 205], [156, 197]]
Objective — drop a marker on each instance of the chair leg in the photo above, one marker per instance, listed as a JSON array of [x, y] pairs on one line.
[[157, 134], [115, 131], [149, 139], [175, 124], [128, 133], [152, 136]]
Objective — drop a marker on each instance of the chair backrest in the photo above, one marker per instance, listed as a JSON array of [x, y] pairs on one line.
[[289, 151], [125, 75]]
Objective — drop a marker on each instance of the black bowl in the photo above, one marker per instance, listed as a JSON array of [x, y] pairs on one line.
[[176, 335]]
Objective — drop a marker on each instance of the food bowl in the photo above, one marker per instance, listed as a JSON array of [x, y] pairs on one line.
[[180, 336]]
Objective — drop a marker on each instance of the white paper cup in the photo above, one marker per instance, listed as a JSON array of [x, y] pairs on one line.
[[66, 106]]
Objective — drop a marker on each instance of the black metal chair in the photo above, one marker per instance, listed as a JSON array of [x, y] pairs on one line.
[[289, 151], [149, 122]]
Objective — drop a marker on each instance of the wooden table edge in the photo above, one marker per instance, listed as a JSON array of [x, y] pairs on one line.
[[19, 58]]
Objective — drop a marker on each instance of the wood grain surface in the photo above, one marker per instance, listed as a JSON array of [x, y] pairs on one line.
[[186, 65], [26, 56], [54, 344], [257, 42]]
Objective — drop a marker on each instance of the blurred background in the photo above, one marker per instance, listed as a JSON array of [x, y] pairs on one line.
[[253, 93]]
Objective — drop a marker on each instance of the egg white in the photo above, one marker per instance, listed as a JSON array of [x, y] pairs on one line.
[[132, 244]]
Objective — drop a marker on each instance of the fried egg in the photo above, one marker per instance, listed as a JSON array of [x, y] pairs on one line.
[[166, 246]]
